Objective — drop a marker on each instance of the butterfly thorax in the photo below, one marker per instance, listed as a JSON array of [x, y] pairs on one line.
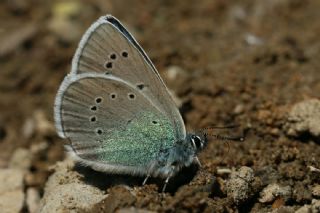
[[182, 154]]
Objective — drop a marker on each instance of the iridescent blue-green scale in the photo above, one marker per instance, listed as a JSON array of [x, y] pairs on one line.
[[139, 142]]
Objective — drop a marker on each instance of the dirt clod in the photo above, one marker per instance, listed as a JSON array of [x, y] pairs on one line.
[[65, 191], [273, 191], [314, 207], [304, 117], [316, 191], [11, 190], [239, 185]]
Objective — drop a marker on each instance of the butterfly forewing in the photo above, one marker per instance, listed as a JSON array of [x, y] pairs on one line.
[[110, 122], [108, 48]]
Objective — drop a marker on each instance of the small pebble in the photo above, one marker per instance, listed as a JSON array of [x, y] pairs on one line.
[[39, 147], [11, 190], [253, 39], [21, 159], [221, 171], [43, 125], [316, 191], [238, 109], [314, 207], [62, 23], [28, 128], [173, 72], [313, 169], [67, 9], [32, 200], [239, 185], [273, 191], [304, 117], [238, 13]]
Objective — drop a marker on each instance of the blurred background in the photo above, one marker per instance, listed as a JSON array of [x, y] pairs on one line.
[[246, 62]]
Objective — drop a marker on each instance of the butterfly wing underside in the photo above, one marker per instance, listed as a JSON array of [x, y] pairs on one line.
[[111, 125], [108, 48]]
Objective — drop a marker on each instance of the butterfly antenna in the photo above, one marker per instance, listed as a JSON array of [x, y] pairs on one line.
[[225, 138], [231, 126], [228, 138], [205, 133]]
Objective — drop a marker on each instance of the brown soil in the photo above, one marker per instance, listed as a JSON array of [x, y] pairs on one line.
[[244, 62]]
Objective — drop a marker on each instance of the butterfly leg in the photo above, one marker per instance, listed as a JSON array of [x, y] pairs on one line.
[[196, 160], [145, 180], [165, 184], [168, 178]]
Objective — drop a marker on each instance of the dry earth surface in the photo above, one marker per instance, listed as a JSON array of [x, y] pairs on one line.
[[253, 63]]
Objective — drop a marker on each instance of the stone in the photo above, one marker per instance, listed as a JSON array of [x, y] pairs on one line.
[[174, 72], [62, 22], [21, 159], [314, 207], [239, 185], [11, 190], [304, 117], [65, 191], [32, 200], [316, 191], [273, 191]]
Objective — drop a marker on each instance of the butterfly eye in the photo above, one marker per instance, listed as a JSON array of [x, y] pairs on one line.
[[93, 108], [196, 141]]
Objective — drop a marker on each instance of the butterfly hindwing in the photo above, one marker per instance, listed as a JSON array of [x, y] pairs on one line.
[[108, 48], [111, 123]]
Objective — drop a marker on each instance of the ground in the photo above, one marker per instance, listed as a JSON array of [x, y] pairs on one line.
[[226, 62]]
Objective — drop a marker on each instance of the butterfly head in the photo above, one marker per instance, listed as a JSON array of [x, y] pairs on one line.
[[197, 141]]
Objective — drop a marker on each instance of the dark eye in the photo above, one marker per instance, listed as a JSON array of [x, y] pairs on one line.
[[196, 141]]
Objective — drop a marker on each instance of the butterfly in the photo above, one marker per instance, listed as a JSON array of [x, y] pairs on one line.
[[116, 111]]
